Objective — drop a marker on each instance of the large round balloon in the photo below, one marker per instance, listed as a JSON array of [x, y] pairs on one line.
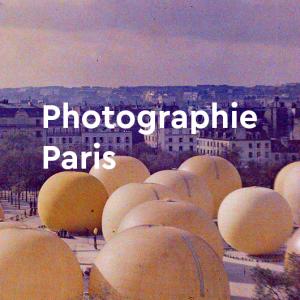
[[127, 170], [158, 262], [255, 220], [127, 197], [37, 265], [1, 213], [12, 224], [175, 213], [187, 187], [281, 176], [220, 175], [290, 190], [72, 201], [292, 250]]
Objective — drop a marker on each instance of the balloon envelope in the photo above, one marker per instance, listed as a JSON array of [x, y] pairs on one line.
[[158, 262]]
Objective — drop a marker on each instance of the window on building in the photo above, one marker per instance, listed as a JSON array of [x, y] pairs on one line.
[[267, 145], [180, 148], [180, 140], [50, 140], [294, 158], [250, 145], [170, 140], [191, 148], [170, 148], [258, 154], [38, 133], [86, 139], [258, 145], [191, 140], [118, 140], [127, 139], [63, 140], [101, 139], [250, 155], [94, 139], [70, 140], [110, 147], [37, 122]]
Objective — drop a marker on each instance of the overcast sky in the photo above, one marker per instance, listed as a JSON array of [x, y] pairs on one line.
[[139, 42]]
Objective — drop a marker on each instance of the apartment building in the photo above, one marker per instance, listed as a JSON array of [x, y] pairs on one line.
[[63, 138], [109, 139], [172, 140], [254, 145], [249, 145], [27, 119]]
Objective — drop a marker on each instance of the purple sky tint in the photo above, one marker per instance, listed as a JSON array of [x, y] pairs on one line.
[[138, 42]]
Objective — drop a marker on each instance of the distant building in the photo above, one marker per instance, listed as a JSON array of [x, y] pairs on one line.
[[109, 139], [172, 140], [83, 139], [280, 119], [285, 151], [26, 119], [249, 145], [63, 138], [169, 139]]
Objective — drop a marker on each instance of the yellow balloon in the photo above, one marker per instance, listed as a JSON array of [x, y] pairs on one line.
[[187, 187], [127, 170], [12, 224], [290, 190], [37, 265], [255, 220], [158, 262], [220, 175], [281, 176], [175, 213], [72, 201], [127, 197]]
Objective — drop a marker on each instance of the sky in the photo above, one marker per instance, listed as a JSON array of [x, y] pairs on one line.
[[139, 42]]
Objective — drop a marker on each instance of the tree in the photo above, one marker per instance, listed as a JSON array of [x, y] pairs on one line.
[[254, 174], [140, 149], [233, 156], [21, 164], [272, 285]]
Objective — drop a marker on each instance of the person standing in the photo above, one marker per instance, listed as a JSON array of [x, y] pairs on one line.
[[95, 232]]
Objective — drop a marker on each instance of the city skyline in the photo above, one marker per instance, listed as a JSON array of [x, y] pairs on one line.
[[105, 43]]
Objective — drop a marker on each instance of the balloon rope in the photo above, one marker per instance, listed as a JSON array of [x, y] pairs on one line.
[[196, 259], [216, 170], [187, 185]]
